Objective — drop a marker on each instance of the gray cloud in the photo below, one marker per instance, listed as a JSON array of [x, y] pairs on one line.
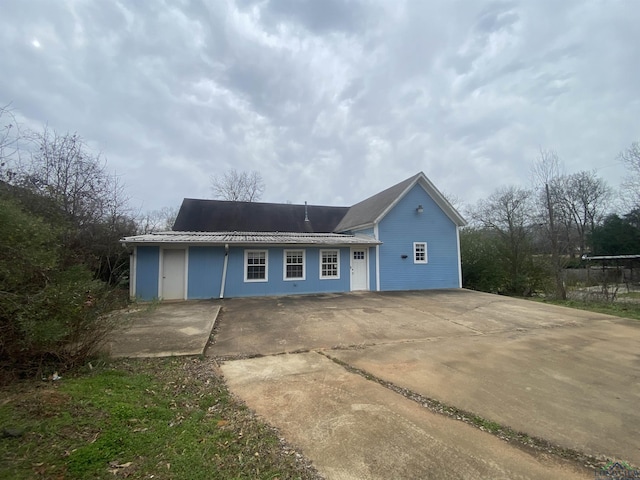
[[331, 101]]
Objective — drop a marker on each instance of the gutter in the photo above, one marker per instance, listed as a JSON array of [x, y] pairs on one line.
[[224, 270]]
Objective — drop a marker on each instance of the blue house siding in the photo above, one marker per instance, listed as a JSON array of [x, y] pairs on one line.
[[147, 272], [276, 285], [402, 226], [389, 217], [205, 272], [372, 268]]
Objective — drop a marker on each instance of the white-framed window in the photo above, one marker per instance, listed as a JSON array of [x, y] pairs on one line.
[[256, 265], [329, 264], [420, 252], [294, 264]]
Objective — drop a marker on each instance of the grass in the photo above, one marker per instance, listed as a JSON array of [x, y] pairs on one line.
[[631, 295], [153, 418], [619, 309]]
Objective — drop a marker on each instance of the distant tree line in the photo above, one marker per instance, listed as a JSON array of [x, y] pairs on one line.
[[520, 240]]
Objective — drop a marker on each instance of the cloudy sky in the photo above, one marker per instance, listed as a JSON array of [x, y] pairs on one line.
[[330, 100]]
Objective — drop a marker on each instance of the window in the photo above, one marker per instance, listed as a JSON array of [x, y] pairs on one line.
[[419, 252], [294, 264], [329, 264], [255, 265]]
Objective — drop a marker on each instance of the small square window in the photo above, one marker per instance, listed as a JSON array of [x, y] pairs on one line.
[[420, 252]]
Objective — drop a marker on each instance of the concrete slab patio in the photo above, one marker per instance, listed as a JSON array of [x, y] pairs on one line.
[[564, 375], [165, 330]]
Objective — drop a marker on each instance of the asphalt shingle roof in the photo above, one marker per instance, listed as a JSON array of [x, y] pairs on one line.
[[367, 211], [224, 216]]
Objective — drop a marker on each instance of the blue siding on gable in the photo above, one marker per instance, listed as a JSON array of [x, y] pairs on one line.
[[205, 272], [147, 272], [276, 285], [402, 226]]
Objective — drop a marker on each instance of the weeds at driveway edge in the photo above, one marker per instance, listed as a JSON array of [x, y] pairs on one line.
[[503, 432]]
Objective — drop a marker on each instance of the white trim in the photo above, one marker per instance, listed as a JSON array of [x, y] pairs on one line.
[[284, 264], [366, 266], [459, 258], [160, 271], [266, 265], [337, 252], [133, 266], [426, 253], [186, 273], [223, 281], [376, 235]]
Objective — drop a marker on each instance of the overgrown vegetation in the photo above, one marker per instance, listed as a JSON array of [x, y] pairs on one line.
[[155, 418], [62, 268], [51, 315], [521, 241]]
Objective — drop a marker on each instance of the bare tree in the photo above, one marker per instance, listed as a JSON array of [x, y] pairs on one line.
[[585, 199], [631, 159], [508, 213], [65, 178], [157, 220], [9, 137], [238, 186], [547, 177], [63, 169]]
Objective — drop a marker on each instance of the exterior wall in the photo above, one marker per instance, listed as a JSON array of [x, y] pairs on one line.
[[205, 272], [372, 269], [147, 272], [205, 266], [371, 252], [402, 226], [276, 285], [397, 231]]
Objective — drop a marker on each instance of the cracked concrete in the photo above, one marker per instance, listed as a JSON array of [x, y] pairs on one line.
[[566, 376], [165, 330]]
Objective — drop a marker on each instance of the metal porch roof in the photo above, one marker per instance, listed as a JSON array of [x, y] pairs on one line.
[[249, 238]]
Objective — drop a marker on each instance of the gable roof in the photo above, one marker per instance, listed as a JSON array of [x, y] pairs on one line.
[[225, 216], [373, 209]]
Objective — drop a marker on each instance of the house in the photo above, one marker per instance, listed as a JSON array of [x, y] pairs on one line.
[[403, 238]]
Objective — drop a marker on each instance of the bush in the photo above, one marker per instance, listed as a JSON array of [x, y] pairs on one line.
[[48, 314]]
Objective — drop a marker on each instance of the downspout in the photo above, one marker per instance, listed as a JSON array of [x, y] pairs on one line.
[[376, 235], [459, 257], [224, 269], [133, 272]]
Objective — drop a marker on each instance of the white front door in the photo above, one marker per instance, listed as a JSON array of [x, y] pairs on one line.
[[173, 274], [359, 264]]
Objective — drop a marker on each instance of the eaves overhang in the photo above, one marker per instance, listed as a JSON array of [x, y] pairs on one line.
[[271, 239]]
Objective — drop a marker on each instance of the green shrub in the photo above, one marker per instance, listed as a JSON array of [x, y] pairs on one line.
[[48, 314]]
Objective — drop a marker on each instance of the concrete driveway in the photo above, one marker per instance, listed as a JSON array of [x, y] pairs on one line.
[[165, 330], [566, 376]]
